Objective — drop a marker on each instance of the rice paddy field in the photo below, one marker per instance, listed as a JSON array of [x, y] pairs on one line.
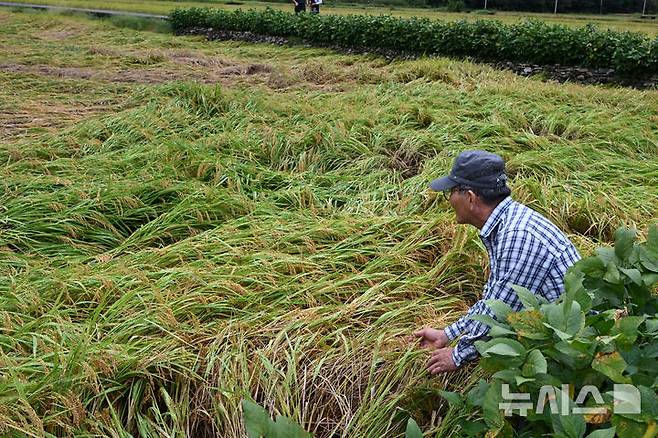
[[184, 224]]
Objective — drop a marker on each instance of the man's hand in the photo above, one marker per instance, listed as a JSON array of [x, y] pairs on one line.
[[441, 361], [432, 338]]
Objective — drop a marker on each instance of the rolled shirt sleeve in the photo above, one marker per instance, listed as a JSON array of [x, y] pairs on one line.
[[465, 323], [465, 349]]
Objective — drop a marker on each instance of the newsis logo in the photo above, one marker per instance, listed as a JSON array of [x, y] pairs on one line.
[[627, 400]]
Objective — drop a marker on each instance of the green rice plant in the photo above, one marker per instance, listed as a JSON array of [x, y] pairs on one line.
[[201, 100]]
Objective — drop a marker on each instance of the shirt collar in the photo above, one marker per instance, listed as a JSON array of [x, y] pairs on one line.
[[495, 217]]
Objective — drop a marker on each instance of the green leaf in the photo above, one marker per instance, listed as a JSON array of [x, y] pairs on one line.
[[493, 416], [560, 334], [608, 295], [503, 350], [475, 396], [413, 431], [573, 284], [652, 325], [603, 433], [501, 347], [500, 309], [624, 239], [528, 299], [650, 279], [497, 332], [634, 275], [571, 425], [567, 301], [507, 375], [627, 328], [472, 428], [496, 328], [649, 260], [606, 340], [453, 398], [577, 353], [612, 274], [535, 364], [627, 428], [650, 350], [652, 240], [648, 401], [574, 319], [591, 266], [529, 324], [520, 380], [607, 255], [568, 319], [555, 314], [494, 363], [584, 300], [259, 424], [286, 428], [256, 420], [603, 322], [611, 365]]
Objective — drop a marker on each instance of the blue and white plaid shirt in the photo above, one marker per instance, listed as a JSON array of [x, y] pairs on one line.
[[525, 249]]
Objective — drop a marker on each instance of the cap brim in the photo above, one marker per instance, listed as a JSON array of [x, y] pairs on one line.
[[441, 184]]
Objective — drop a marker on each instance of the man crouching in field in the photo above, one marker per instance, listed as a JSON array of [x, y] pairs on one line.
[[524, 249]]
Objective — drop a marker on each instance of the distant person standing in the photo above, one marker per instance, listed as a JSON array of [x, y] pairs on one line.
[[315, 6], [300, 6]]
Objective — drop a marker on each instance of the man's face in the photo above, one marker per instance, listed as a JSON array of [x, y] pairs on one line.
[[460, 202]]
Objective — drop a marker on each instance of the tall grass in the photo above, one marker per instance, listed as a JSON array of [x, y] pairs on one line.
[[199, 244]]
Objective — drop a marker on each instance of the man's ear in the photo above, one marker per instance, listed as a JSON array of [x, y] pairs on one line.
[[472, 197]]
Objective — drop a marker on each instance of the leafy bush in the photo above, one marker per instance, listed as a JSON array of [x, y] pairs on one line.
[[489, 40], [602, 332]]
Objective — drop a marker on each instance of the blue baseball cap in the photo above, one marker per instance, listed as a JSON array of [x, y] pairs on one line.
[[478, 169]]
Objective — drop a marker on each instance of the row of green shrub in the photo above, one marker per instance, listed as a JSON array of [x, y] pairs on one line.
[[488, 40]]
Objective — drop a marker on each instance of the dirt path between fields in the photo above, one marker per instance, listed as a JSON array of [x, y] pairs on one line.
[[209, 74]]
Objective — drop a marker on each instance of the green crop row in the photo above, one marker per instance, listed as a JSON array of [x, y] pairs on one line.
[[529, 41]]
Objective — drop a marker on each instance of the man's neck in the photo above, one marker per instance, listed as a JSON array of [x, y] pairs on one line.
[[481, 218], [481, 214]]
